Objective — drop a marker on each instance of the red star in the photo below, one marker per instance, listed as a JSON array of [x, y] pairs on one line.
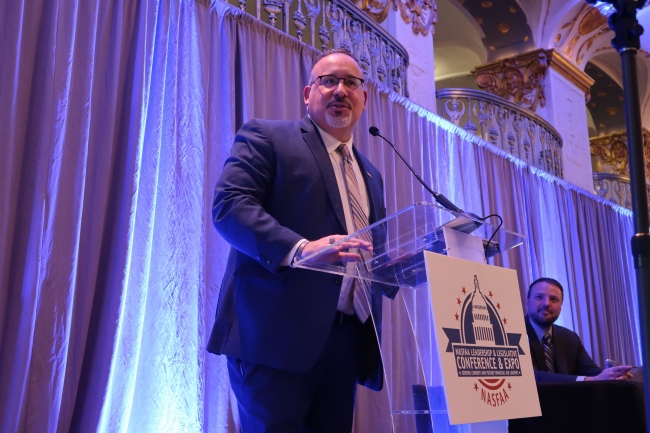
[[458, 300], [456, 316], [463, 290], [490, 295], [498, 306], [505, 321], [475, 386], [509, 387]]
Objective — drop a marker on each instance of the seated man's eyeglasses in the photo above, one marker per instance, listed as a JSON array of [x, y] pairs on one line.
[[330, 81]]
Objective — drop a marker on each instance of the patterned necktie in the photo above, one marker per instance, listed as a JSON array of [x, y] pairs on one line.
[[361, 291], [548, 352]]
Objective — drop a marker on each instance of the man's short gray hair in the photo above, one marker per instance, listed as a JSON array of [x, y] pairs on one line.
[[329, 52]]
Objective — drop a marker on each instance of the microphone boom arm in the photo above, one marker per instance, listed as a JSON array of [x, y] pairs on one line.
[[441, 199]]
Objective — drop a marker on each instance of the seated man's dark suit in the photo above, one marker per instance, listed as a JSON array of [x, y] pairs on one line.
[[571, 358], [277, 187]]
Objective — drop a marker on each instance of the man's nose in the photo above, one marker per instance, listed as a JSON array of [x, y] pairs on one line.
[[340, 88], [545, 301]]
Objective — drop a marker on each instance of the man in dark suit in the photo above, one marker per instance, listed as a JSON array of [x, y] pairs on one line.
[[557, 352], [295, 341]]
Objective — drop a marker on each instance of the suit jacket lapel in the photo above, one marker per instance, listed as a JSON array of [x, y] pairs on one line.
[[315, 143], [561, 364]]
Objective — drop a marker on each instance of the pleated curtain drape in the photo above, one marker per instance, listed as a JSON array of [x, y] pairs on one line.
[[115, 120]]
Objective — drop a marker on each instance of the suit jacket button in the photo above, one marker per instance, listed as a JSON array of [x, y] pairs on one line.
[[259, 257], [268, 262]]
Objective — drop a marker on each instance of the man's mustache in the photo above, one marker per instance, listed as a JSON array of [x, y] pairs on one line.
[[340, 101]]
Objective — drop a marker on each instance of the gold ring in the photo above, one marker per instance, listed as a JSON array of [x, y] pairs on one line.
[[332, 240]]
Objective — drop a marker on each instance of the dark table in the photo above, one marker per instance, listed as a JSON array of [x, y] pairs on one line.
[[607, 406]]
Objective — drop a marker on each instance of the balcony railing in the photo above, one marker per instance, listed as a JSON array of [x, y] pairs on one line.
[[338, 23], [614, 187], [512, 128], [609, 162]]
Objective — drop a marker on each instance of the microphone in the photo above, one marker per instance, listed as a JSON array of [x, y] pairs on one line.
[[441, 199]]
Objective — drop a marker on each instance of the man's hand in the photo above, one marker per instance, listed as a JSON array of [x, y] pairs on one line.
[[337, 253], [620, 372]]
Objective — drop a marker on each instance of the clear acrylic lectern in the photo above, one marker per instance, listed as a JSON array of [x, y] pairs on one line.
[[399, 242]]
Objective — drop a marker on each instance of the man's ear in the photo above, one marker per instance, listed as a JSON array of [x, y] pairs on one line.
[[305, 94]]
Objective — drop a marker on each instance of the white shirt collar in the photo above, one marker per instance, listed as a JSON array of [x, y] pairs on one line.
[[539, 331]]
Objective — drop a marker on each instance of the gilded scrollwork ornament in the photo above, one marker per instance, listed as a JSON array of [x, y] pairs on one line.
[[421, 14], [609, 154], [377, 9], [518, 82]]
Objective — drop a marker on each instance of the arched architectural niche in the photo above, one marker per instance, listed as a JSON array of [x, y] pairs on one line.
[[458, 46], [544, 15], [454, 62], [591, 125], [609, 60], [606, 106]]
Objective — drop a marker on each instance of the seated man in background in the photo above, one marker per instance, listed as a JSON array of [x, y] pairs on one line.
[[557, 352]]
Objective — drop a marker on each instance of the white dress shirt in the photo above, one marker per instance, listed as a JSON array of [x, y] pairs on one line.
[[331, 144]]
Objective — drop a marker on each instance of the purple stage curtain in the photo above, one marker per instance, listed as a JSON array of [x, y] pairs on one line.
[[115, 119]]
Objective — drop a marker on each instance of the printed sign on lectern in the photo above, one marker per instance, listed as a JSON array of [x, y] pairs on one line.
[[482, 343]]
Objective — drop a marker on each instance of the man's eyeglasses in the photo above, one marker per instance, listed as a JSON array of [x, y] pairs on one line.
[[330, 81]]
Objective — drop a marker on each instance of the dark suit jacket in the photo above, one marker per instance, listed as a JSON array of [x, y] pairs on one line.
[[277, 187], [571, 358]]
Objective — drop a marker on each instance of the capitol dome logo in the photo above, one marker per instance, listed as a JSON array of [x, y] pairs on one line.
[[482, 347]]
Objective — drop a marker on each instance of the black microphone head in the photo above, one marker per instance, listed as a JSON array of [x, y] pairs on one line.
[[374, 131]]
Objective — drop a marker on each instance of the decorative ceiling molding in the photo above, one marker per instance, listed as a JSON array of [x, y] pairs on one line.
[[421, 14], [546, 5], [504, 22], [377, 9], [578, 34]]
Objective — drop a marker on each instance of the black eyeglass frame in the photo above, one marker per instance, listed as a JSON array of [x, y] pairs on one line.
[[320, 77]]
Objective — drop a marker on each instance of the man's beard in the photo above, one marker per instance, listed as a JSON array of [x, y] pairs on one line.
[[337, 121], [541, 321]]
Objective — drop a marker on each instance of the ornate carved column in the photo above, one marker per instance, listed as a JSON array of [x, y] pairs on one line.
[[552, 86], [567, 91]]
